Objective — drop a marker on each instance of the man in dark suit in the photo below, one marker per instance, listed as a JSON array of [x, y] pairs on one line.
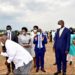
[[40, 40], [61, 46], [12, 36]]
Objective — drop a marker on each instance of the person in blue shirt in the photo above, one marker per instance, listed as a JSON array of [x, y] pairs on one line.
[[40, 40]]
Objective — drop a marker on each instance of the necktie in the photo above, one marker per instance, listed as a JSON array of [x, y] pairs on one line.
[[9, 35], [40, 41]]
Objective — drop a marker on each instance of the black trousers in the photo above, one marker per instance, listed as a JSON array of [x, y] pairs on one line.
[[10, 66]]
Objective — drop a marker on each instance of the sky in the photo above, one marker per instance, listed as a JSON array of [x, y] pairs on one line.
[[44, 13]]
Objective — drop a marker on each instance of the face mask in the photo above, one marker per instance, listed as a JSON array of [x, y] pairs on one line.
[[59, 26], [38, 33], [35, 30], [8, 31]]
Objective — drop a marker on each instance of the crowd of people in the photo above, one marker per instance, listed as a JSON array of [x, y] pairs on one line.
[[23, 49]]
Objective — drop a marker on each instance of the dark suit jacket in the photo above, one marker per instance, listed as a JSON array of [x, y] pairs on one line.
[[63, 42], [14, 37], [43, 43]]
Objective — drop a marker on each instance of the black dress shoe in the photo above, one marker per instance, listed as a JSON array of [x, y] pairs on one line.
[[56, 73], [37, 70], [70, 63], [54, 64], [43, 70], [64, 73], [7, 73]]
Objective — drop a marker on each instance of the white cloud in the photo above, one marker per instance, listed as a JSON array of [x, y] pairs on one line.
[[41, 12], [7, 8]]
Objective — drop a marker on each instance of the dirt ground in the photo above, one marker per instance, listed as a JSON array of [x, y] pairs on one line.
[[49, 67]]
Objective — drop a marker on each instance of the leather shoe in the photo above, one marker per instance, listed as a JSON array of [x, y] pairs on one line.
[[37, 70], [43, 70], [64, 73], [70, 63], [56, 73], [54, 64], [7, 73]]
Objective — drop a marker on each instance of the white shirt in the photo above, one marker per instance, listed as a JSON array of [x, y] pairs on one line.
[[17, 54], [61, 31], [23, 39], [9, 35]]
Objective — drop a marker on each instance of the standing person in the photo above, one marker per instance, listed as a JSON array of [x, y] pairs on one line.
[[61, 46], [40, 40], [33, 34], [54, 50], [50, 40], [53, 35], [20, 56], [69, 56], [11, 36], [0, 43], [25, 40], [72, 49]]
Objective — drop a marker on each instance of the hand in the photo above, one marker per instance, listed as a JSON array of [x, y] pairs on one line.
[[27, 46], [42, 38], [22, 45], [35, 38]]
